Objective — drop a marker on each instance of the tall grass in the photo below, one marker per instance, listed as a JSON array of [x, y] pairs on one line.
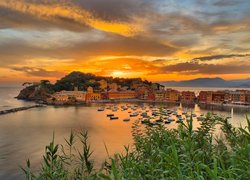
[[157, 153]]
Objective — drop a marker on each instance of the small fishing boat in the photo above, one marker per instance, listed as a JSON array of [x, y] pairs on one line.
[[113, 117], [171, 119], [126, 119], [109, 115], [144, 114], [134, 114], [167, 122], [100, 109]]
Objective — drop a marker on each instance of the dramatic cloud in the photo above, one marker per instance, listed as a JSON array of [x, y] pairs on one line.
[[69, 11], [38, 72], [207, 58], [157, 40]]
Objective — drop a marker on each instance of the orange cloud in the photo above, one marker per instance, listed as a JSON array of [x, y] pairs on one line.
[[71, 12]]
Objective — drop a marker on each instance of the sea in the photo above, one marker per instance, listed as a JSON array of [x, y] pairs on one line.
[[24, 134]]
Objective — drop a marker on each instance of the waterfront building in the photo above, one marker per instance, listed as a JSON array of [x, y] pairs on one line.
[[65, 96], [187, 97], [237, 97], [143, 92], [90, 89], [205, 97], [247, 97], [218, 96], [91, 95], [159, 95], [121, 95], [172, 95]]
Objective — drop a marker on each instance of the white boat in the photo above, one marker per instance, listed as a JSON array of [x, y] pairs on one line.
[[100, 109], [134, 114]]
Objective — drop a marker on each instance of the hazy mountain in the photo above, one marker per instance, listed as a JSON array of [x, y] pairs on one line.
[[209, 82]]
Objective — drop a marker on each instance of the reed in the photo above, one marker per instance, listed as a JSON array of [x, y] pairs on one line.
[[157, 153]]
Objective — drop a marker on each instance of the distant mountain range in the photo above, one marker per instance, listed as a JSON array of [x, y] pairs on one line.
[[209, 82]]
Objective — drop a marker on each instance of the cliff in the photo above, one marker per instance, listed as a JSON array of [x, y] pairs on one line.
[[33, 93]]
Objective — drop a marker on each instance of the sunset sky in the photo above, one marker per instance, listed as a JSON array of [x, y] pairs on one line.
[[158, 40]]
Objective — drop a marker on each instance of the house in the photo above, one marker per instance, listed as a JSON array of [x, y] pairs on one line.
[[91, 95], [65, 96], [121, 95], [219, 96], [205, 96], [187, 97], [171, 95]]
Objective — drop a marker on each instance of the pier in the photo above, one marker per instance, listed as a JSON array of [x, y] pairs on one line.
[[13, 110]]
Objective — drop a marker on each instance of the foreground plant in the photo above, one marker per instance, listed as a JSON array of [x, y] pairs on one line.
[[158, 153]]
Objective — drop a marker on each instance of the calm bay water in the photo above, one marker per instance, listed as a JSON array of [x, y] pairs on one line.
[[25, 134]]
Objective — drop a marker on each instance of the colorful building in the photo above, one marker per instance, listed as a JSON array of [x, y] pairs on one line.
[[159, 95], [187, 97], [91, 95], [65, 96], [172, 95], [205, 96], [219, 97], [121, 95], [143, 92]]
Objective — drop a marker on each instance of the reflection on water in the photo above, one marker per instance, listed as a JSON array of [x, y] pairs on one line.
[[24, 134]]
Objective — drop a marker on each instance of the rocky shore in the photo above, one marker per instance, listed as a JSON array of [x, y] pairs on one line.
[[13, 110]]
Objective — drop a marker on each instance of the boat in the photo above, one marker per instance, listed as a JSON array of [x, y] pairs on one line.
[[171, 119], [154, 124], [134, 114], [154, 113], [126, 119], [100, 109], [167, 122], [109, 115], [113, 117], [144, 114]]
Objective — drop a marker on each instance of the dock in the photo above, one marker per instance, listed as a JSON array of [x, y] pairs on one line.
[[13, 110]]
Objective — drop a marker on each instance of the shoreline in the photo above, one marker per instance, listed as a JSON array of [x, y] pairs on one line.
[[13, 110], [150, 101]]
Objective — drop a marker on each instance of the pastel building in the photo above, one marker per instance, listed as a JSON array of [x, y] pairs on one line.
[[171, 95], [205, 96], [159, 95], [91, 95], [65, 96], [187, 97], [219, 96]]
